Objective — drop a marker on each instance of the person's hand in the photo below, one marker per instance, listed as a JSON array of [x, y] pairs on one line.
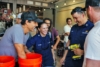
[[54, 47], [62, 60], [78, 52], [28, 51]]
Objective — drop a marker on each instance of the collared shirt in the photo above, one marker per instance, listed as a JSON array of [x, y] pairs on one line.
[[92, 43], [79, 33], [42, 45]]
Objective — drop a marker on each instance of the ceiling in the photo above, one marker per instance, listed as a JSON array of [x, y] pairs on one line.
[[47, 1]]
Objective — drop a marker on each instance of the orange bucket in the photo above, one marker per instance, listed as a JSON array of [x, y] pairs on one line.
[[33, 60], [7, 61]]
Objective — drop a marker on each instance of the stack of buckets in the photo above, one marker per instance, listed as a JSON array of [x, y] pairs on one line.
[[33, 60], [7, 61]]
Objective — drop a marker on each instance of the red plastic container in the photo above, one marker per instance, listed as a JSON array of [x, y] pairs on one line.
[[33, 60], [7, 61]]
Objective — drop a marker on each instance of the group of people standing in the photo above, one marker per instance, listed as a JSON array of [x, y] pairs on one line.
[[84, 36], [17, 40]]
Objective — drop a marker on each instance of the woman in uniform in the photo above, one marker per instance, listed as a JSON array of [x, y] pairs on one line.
[[42, 45]]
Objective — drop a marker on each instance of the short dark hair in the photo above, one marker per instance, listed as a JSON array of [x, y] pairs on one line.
[[68, 19], [47, 19], [39, 24], [93, 3], [77, 9]]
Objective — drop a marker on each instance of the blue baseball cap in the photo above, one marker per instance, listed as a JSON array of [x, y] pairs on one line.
[[31, 16]]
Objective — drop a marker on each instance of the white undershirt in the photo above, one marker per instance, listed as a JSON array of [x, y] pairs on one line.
[[67, 29]]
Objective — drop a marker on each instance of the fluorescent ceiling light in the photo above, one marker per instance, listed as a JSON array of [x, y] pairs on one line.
[[44, 9], [73, 0], [45, 4], [38, 3], [30, 2], [57, 6], [64, 4]]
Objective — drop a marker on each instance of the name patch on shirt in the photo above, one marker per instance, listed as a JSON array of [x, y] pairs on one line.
[[39, 44], [72, 31], [86, 32], [49, 42]]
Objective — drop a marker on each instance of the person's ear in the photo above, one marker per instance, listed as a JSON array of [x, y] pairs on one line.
[[26, 22], [83, 14], [36, 24], [90, 8]]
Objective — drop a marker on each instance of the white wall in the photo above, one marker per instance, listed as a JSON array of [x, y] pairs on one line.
[[62, 12]]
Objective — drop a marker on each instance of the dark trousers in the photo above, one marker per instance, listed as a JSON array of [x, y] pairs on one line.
[[69, 62], [78, 63], [16, 64]]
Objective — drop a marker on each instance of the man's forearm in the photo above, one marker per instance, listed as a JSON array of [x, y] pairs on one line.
[[22, 55], [92, 63], [20, 50], [65, 53], [57, 41], [67, 34], [26, 49]]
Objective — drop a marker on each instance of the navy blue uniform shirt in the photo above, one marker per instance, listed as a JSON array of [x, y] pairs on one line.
[[79, 33], [42, 46], [77, 36]]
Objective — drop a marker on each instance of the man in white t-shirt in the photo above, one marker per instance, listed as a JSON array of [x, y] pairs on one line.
[[92, 42], [67, 29]]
